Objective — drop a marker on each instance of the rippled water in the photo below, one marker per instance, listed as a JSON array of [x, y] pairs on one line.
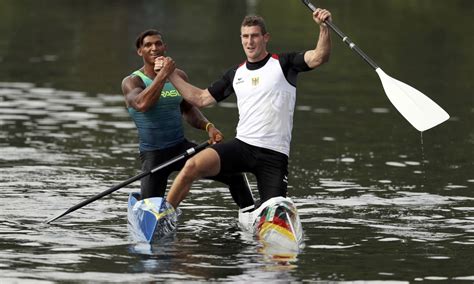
[[378, 200], [59, 148]]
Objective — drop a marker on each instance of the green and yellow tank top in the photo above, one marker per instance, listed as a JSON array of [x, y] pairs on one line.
[[160, 126]]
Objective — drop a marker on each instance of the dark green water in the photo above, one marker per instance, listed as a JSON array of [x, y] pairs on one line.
[[378, 201]]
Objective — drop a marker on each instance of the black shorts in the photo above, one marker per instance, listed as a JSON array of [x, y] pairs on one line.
[[269, 167], [155, 185]]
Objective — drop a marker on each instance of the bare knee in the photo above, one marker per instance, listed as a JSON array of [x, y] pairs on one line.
[[190, 171], [205, 163]]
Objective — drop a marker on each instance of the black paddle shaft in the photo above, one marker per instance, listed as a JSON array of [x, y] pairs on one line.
[[344, 38], [188, 152]]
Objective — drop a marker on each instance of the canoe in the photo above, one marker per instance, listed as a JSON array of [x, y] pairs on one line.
[[150, 219], [276, 224]]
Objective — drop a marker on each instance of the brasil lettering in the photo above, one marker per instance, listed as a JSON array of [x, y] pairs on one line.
[[170, 93]]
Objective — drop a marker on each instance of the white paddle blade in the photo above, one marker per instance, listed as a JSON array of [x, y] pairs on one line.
[[417, 108]]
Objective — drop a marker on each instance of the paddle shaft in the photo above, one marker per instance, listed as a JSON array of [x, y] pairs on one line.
[[344, 38], [188, 152], [412, 104]]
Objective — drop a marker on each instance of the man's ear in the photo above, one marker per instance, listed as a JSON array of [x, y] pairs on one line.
[[266, 37], [139, 51]]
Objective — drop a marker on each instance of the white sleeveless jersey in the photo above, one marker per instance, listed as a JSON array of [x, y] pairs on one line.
[[266, 96], [266, 103]]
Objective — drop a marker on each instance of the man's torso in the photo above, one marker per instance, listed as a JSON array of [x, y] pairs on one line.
[[160, 126], [266, 95]]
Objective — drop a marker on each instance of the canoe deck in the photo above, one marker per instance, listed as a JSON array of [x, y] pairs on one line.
[[276, 224], [150, 219]]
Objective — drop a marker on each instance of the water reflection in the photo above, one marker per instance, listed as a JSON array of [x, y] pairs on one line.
[[377, 203], [61, 147]]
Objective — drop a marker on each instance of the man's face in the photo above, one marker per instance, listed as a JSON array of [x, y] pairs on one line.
[[152, 47], [254, 43]]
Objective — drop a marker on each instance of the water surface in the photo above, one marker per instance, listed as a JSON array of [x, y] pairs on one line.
[[378, 201]]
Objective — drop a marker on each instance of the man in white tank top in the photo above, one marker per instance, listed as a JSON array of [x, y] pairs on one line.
[[265, 87]]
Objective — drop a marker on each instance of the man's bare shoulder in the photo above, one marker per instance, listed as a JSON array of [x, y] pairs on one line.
[[133, 79], [132, 82]]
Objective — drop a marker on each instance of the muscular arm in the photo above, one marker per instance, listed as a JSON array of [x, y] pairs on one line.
[[194, 95], [191, 114], [139, 97], [195, 118], [321, 53]]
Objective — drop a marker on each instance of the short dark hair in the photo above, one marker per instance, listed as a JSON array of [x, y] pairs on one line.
[[254, 20], [143, 35]]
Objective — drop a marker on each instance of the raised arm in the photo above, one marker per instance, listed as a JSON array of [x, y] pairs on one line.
[[194, 95], [138, 96], [322, 52], [196, 118]]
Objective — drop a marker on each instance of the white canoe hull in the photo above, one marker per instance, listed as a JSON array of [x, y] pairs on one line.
[[276, 224]]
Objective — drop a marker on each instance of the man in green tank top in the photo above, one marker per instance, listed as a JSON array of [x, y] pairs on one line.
[[158, 110]]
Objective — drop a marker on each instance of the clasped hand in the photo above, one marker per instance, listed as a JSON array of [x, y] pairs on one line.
[[164, 64]]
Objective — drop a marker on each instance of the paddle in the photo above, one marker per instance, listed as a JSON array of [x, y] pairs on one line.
[[188, 152], [417, 108]]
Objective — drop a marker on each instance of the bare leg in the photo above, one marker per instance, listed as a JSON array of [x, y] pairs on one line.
[[205, 163]]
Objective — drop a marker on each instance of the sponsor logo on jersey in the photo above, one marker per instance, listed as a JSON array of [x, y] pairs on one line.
[[239, 81], [255, 81], [170, 93]]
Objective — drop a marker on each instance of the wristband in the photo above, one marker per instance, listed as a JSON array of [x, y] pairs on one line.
[[208, 125]]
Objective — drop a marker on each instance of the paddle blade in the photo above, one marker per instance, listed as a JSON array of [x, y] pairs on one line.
[[417, 108]]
